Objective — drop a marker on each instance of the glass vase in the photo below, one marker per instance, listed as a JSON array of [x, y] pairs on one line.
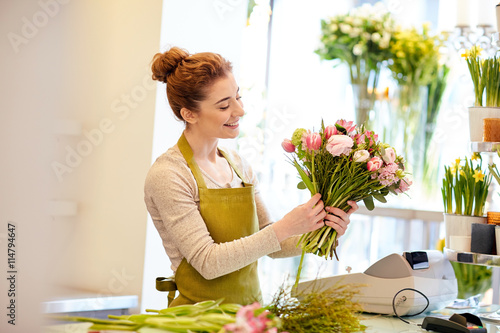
[[410, 120], [364, 82]]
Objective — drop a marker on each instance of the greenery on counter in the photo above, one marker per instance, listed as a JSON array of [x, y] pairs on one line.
[[332, 310], [203, 317]]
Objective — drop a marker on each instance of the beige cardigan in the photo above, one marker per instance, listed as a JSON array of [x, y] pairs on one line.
[[171, 196]]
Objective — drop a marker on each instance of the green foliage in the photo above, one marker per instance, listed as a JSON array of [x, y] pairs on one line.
[[465, 188], [332, 310], [471, 279], [485, 75]]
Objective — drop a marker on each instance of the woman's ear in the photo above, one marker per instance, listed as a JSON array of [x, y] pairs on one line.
[[189, 116]]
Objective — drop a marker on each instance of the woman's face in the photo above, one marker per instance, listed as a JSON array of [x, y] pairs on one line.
[[220, 112]]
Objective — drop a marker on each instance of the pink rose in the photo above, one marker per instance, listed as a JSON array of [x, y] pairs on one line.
[[329, 131], [348, 125], [288, 146], [339, 144], [389, 155], [374, 164], [313, 141]]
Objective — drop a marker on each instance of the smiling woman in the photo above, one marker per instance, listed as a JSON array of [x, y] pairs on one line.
[[204, 201]]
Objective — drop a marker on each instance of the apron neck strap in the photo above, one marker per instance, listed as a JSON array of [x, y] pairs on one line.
[[238, 172], [187, 152]]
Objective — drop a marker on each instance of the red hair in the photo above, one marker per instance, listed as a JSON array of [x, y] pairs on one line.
[[188, 76]]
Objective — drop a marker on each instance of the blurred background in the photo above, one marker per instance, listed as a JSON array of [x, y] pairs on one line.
[[82, 122]]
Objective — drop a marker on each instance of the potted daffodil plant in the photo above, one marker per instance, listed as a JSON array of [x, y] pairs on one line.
[[485, 75], [464, 190]]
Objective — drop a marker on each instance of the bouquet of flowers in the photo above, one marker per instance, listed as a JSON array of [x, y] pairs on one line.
[[361, 39], [343, 162]]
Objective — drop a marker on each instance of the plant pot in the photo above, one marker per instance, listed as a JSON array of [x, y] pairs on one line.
[[476, 116], [458, 230]]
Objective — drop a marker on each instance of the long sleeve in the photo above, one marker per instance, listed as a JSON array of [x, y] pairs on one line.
[[171, 196], [288, 246]]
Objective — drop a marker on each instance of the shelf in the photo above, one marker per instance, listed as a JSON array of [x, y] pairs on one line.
[[484, 147], [472, 258]]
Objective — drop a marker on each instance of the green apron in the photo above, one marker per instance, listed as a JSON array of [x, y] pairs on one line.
[[229, 214]]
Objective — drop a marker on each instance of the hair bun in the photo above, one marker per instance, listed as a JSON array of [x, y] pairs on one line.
[[165, 63]]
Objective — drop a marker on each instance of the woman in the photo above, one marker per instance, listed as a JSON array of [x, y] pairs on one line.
[[203, 200]]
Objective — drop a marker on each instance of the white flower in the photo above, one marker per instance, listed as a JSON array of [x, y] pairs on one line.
[[345, 28], [366, 35], [357, 49], [357, 21], [361, 156], [334, 27], [349, 19], [355, 32], [376, 37]]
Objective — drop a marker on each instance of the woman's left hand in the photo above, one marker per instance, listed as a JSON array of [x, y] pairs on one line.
[[338, 219]]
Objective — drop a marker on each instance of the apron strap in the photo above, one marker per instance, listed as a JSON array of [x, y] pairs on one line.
[[167, 284], [238, 172], [187, 152]]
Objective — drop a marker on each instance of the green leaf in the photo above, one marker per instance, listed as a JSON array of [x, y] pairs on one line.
[[369, 202], [301, 186], [380, 197]]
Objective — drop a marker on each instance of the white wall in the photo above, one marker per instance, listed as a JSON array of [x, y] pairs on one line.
[[198, 26], [107, 88], [84, 61]]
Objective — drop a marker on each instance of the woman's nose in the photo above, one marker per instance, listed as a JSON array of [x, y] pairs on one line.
[[238, 110]]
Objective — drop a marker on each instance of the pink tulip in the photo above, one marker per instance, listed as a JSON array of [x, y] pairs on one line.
[[339, 144], [348, 125], [313, 141], [288, 146], [329, 131], [374, 163]]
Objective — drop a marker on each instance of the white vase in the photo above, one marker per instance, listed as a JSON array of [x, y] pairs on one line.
[[458, 230], [476, 116]]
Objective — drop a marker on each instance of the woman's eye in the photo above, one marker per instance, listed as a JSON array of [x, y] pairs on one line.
[[239, 97], [224, 107]]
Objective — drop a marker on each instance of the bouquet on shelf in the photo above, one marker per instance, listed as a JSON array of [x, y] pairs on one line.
[[343, 162], [465, 187], [361, 39]]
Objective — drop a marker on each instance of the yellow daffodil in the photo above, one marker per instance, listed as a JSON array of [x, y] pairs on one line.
[[478, 175], [462, 173], [475, 156], [457, 162], [453, 170]]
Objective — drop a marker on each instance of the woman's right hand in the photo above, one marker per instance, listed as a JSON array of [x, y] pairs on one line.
[[303, 218]]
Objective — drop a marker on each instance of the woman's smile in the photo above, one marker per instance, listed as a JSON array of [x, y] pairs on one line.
[[233, 125]]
